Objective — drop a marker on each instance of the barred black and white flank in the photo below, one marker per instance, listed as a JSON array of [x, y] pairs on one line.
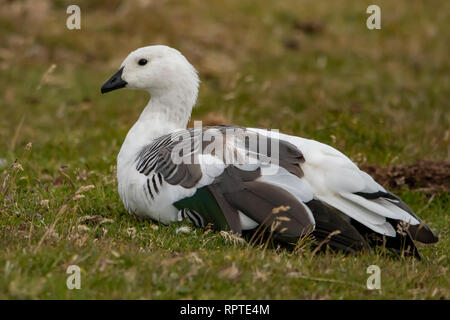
[[318, 188]]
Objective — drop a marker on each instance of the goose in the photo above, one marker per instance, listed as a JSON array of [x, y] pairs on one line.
[[218, 177]]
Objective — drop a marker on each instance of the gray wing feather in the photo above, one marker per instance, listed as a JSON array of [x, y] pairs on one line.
[[156, 157]]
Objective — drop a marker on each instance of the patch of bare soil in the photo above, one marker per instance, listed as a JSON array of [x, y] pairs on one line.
[[424, 175]]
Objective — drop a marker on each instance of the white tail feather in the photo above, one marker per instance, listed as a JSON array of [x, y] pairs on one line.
[[383, 208], [402, 214], [361, 214]]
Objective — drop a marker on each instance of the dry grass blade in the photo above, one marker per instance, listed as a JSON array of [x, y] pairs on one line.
[[51, 228], [258, 235], [231, 272], [97, 219], [300, 276], [46, 75], [232, 238], [324, 241], [16, 134]]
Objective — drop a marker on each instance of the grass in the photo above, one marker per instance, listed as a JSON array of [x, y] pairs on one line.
[[378, 96]]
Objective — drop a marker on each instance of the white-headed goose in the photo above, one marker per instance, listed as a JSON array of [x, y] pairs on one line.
[[311, 186]]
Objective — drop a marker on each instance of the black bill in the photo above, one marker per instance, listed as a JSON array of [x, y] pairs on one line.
[[115, 82]]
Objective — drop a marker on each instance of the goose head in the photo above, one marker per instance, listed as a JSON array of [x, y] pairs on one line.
[[158, 69]]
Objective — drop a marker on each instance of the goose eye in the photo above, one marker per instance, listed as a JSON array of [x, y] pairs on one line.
[[142, 62]]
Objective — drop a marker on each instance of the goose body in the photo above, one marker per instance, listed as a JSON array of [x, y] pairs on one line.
[[294, 187]]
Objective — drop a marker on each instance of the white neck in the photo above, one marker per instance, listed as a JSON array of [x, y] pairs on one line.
[[166, 112]]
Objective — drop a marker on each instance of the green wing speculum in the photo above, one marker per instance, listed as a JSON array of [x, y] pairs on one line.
[[204, 203]]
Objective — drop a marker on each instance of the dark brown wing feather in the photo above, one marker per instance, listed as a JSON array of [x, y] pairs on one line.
[[329, 220], [258, 200]]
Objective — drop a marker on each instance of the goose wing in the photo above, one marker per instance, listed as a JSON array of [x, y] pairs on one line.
[[340, 184], [226, 179]]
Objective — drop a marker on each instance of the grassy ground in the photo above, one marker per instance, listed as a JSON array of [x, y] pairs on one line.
[[310, 68]]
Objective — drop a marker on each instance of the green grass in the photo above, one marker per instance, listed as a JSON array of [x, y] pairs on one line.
[[378, 96]]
